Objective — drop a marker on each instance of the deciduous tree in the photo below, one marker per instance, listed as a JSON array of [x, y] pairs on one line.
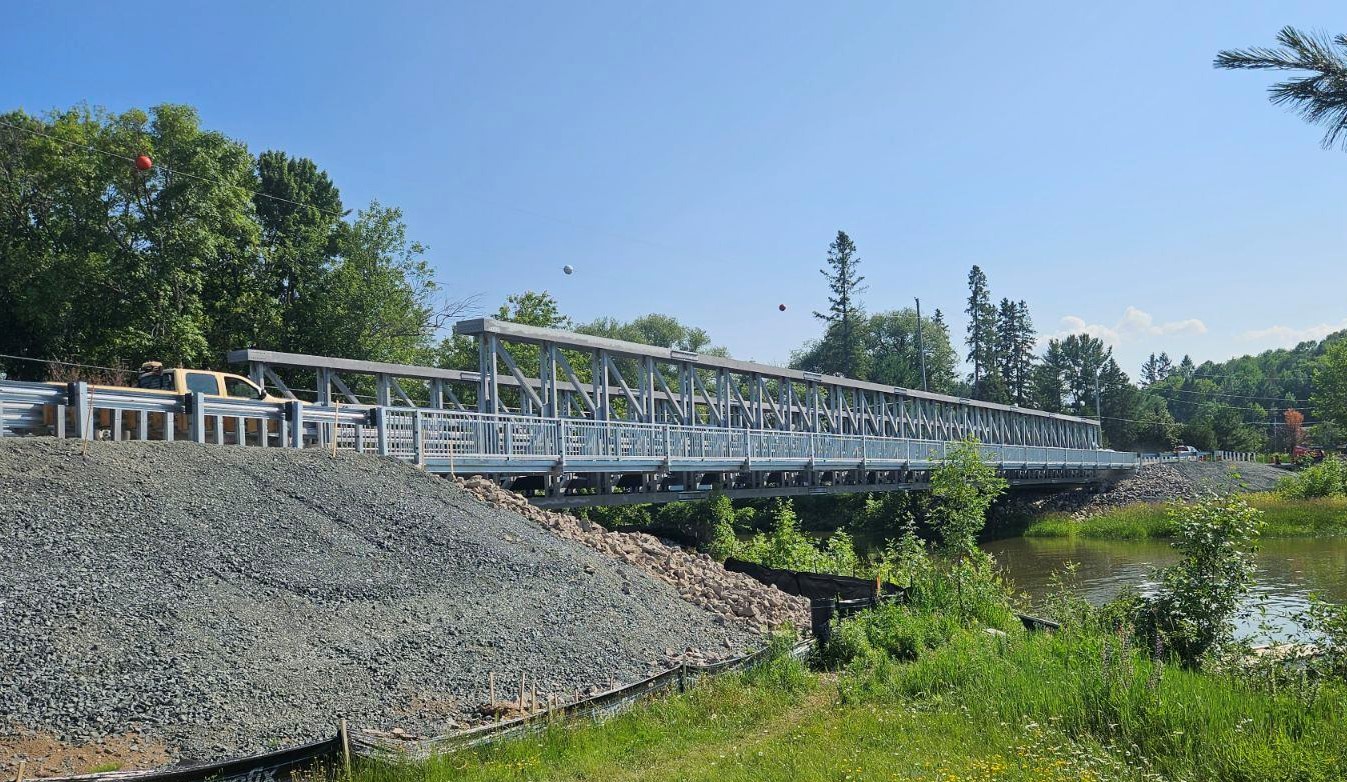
[[1330, 385]]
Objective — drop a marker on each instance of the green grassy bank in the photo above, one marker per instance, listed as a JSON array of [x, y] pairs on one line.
[[1283, 518], [970, 706]]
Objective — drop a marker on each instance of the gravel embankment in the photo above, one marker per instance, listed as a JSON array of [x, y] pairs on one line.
[[1171, 481], [219, 601]]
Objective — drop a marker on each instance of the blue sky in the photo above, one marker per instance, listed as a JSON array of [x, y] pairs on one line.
[[697, 158]]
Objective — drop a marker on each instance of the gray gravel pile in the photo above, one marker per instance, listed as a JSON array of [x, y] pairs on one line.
[[1171, 481], [222, 601], [698, 578]]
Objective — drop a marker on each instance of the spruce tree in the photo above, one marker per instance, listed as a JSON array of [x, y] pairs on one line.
[[1007, 341], [1164, 367], [1149, 374], [1024, 340], [981, 338], [844, 306]]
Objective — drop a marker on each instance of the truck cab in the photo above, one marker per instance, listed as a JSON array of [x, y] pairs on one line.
[[154, 377]]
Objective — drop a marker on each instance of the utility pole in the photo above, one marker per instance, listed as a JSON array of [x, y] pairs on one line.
[[1097, 413], [921, 347]]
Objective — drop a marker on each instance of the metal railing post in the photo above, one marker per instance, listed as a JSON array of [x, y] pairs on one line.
[[381, 429], [84, 413], [295, 412], [197, 401], [418, 439]]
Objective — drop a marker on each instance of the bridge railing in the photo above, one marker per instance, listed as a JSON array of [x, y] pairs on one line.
[[489, 442], [419, 435]]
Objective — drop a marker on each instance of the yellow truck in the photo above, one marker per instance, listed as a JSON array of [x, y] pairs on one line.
[[154, 377]]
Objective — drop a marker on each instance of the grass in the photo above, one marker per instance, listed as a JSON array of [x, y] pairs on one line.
[[1282, 517], [975, 707]]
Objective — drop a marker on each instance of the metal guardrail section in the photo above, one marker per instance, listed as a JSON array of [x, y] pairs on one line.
[[462, 441]]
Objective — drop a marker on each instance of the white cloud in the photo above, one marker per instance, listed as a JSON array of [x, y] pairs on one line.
[[1134, 324], [1286, 336]]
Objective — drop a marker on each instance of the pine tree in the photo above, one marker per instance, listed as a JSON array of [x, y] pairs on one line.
[[844, 306], [1186, 368], [1319, 96], [981, 338]]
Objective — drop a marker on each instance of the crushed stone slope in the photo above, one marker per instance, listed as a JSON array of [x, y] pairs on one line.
[[1169, 482], [226, 600]]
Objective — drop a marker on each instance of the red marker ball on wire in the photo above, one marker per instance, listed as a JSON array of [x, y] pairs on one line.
[[143, 163]]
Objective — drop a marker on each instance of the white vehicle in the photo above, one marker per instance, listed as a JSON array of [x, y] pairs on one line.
[[1186, 452]]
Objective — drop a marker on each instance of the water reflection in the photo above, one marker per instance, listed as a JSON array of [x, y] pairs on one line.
[[1288, 570]]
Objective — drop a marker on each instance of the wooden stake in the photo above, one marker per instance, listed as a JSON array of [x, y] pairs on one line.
[[345, 746], [533, 701], [491, 685], [23, 766], [521, 692]]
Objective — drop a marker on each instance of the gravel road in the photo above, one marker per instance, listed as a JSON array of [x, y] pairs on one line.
[[220, 601]]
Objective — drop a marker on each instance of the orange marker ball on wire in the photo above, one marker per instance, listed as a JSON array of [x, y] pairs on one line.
[[143, 163]]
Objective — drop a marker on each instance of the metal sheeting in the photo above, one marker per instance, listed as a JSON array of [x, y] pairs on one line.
[[256, 768], [597, 707]]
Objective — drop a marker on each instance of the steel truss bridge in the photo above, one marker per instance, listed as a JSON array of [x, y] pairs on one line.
[[573, 419]]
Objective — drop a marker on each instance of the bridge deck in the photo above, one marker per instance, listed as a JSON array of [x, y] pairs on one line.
[[565, 461]]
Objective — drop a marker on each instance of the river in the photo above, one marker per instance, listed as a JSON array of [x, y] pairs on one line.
[[1288, 570]]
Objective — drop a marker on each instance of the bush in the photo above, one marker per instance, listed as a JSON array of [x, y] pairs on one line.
[[788, 548], [1325, 479], [893, 631], [1198, 595]]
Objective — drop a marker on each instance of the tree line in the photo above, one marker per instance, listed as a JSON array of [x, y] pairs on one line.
[[215, 248], [211, 249], [1244, 404]]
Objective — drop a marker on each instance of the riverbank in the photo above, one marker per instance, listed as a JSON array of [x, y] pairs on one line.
[[965, 704], [1321, 517]]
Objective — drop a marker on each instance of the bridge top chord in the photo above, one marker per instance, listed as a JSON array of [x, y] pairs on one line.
[[507, 331]]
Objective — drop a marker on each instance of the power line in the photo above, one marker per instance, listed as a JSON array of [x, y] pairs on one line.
[[63, 363], [1162, 392], [1242, 423]]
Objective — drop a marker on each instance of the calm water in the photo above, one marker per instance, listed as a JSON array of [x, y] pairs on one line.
[[1288, 570]]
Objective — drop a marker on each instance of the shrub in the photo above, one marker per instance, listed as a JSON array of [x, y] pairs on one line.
[[1191, 613], [892, 631], [1325, 479], [963, 487]]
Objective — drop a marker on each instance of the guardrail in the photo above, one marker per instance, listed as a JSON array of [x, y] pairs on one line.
[[446, 440], [1219, 456]]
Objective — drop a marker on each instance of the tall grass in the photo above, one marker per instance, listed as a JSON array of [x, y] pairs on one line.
[[1283, 517], [1097, 689], [965, 705]]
